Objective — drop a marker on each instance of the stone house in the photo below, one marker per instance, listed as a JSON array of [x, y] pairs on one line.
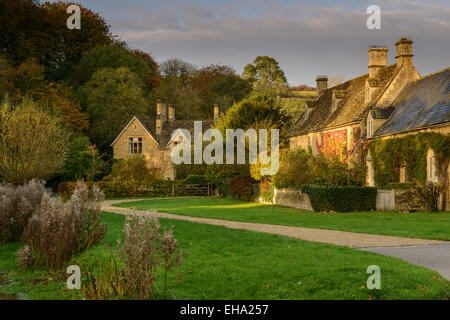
[[388, 101], [422, 106], [337, 116], [155, 139]]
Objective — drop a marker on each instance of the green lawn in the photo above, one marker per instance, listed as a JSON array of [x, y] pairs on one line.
[[237, 264], [417, 225]]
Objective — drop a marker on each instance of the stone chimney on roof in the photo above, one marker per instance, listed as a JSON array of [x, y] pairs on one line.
[[322, 84], [171, 112], [377, 59], [404, 51], [161, 115]]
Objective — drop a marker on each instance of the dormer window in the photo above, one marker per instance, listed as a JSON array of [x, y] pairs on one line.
[[135, 145]]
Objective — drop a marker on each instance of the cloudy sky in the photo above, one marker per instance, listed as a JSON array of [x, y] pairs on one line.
[[308, 38]]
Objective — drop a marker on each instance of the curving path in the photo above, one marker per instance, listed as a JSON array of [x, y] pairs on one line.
[[432, 254]]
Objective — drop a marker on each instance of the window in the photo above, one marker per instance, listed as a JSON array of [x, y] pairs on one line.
[[369, 128], [431, 166], [403, 177], [135, 145]]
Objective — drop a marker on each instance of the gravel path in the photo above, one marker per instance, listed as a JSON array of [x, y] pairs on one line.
[[341, 238]]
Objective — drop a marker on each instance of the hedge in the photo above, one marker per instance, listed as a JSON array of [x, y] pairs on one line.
[[114, 189], [341, 199], [399, 185], [196, 179]]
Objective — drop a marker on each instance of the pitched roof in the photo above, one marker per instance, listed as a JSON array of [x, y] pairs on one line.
[[351, 109], [169, 127], [421, 103]]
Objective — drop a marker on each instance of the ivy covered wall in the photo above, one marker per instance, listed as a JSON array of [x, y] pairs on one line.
[[390, 154]]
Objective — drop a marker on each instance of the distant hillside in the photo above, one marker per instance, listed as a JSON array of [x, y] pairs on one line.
[[295, 103]]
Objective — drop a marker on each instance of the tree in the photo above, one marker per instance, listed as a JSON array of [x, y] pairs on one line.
[[252, 112], [5, 69], [111, 98], [266, 75], [215, 76], [153, 78], [183, 95], [111, 56], [27, 80], [229, 89], [82, 160], [29, 29], [32, 142], [177, 68]]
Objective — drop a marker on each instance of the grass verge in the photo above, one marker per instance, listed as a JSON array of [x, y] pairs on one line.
[[239, 264], [424, 225]]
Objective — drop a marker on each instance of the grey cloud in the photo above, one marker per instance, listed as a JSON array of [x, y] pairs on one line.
[[306, 40]]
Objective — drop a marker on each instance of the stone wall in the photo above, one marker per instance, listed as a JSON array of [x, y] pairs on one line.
[[292, 198], [398, 199]]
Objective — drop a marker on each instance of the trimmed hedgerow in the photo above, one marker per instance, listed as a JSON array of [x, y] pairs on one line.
[[114, 189], [341, 198], [196, 179]]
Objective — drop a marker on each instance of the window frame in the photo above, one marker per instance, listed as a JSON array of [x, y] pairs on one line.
[[135, 145]]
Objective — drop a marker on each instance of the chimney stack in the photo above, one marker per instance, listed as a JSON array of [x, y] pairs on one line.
[[322, 84], [377, 59], [171, 112], [216, 112], [160, 115], [404, 51]]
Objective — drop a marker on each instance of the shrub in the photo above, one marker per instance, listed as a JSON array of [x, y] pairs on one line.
[[429, 195], [29, 137], [299, 167], [134, 168], [241, 187], [196, 179], [341, 199], [148, 258], [266, 191], [125, 188], [221, 175], [17, 204], [82, 160], [57, 230]]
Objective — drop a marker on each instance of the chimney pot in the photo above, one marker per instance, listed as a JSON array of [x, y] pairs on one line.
[[161, 115], [404, 51], [377, 59], [171, 112], [322, 83]]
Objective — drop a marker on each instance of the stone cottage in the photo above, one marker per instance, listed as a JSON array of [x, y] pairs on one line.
[[155, 139], [422, 106], [337, 116], [388, 101]]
